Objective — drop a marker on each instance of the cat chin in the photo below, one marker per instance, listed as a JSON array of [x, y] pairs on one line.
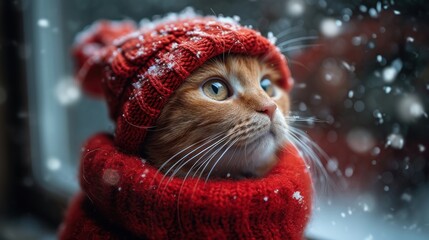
[[258, 154], [261, 151], [245, 162]]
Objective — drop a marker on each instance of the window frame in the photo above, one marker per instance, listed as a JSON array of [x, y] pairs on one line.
[[45, 66]]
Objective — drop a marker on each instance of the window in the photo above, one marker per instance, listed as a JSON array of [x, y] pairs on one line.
[[361, 75]]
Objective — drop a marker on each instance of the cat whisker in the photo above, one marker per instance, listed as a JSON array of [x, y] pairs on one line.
[[290, 31], [304, 119], [232, 156], [206, 141], [220, 157], [289, 60], [245, 150], [187, 174], [188, 160], [84, 69], [301, 138], [181, 151], [207, 161], [197, 162], [136, 126], [301, 124], [84, 157], [313, 155], [193, 165], [84, 171], [299, 47], [205, 164], [293, 40], [155, 129], [206, 150], [185, 156]]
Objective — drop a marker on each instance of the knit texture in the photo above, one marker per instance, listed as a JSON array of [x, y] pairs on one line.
[[128, 199], [137, 70]]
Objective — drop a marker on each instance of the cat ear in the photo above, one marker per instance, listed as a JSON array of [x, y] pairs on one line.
[[91, 51]]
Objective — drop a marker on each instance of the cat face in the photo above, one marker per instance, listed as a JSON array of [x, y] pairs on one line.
[[226, 120]]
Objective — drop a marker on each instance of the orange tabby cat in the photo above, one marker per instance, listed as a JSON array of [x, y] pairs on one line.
[[226, 120]]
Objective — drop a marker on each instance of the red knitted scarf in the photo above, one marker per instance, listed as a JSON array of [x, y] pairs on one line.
[[123, 198]]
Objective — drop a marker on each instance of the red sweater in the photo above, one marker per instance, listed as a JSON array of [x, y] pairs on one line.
[[124, 197]]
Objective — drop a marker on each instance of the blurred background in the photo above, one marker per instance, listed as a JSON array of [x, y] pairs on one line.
[[361, 71]]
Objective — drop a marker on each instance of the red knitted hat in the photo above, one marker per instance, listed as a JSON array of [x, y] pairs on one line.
[[137, 70]]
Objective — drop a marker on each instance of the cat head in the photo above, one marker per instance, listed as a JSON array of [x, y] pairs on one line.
[[138, 70], [226, 120]]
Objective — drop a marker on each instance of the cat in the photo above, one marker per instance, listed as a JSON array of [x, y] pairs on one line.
[[227, 120], [194, 99]]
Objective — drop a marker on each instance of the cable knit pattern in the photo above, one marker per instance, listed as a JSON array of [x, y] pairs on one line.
[[138, 70], [128, 198]]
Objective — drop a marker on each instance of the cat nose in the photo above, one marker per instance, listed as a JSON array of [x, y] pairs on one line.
[[269, 109]]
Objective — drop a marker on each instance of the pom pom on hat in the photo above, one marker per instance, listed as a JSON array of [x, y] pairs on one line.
[[137, 69]]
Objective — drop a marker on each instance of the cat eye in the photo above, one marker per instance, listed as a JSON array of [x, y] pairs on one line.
[[268, 86], [216, 89]]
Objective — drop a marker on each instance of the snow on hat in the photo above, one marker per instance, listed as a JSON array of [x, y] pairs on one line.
[[137, 69]]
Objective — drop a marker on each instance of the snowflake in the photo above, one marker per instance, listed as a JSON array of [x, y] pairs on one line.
[[297, 195]]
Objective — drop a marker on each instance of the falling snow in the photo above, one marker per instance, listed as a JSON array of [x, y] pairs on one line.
[[297, 195], [406, 197], [330, 27], [395, 140], [365, 207], [387, 89], [390, 72], [360, 140], [170, 17], [53, 164], [67, 91], [332, 165], [357, 40], [154, 70], [373, 13], [43, 23], [271, 38], [347, 66], [410, 108], [231, 20], [348, 172], [295, 8]]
